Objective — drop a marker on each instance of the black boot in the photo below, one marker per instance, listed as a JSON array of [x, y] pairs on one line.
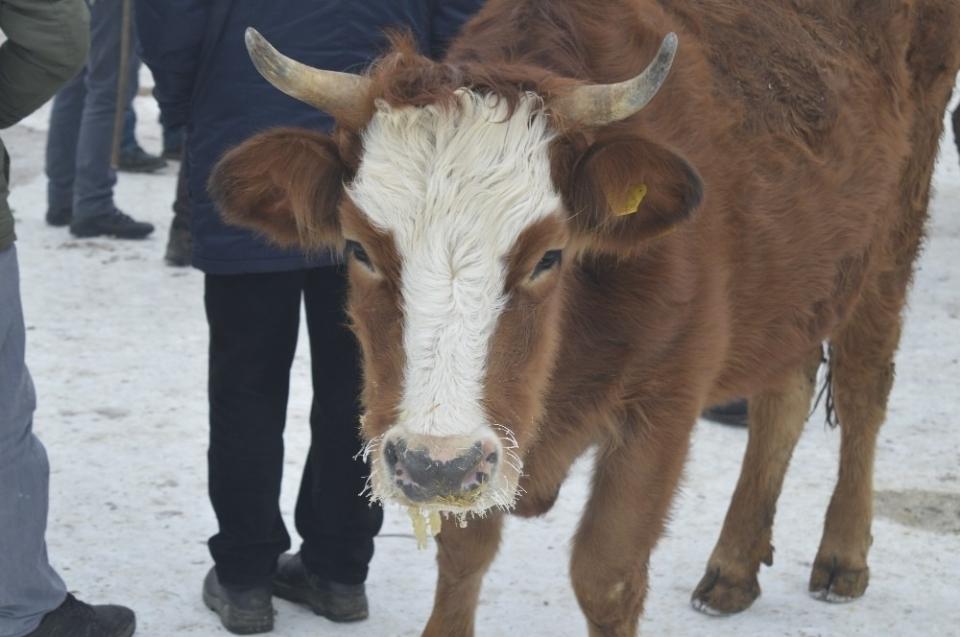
[[242, 611], [113, 224], [59, 217], [73, 618], [179, 246], [337, 602], [137, 160]]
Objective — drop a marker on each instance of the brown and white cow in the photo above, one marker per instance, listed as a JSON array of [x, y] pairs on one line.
[[538, 266]]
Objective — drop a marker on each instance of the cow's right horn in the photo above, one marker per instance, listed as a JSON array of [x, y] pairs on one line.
[[342, 95]]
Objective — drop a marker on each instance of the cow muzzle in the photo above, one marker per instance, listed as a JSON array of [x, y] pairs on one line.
[[452, 472]]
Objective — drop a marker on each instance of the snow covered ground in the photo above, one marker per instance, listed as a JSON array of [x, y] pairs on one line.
[[117, 346]]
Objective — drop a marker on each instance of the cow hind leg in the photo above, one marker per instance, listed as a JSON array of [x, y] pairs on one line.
[[862, 375], [864, 348], [463, 557], [776, 419]]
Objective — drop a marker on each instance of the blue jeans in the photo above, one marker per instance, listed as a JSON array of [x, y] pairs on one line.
[[29, 587], [172, 137], [128, 137], [80, 140]]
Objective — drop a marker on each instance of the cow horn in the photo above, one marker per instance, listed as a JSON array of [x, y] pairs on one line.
[[599, 104], [342, 95]]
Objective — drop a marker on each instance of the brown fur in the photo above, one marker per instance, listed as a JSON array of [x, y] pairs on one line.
[[790, 150]]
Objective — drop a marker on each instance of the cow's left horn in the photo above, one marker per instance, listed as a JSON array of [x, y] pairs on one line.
[[599, 104], [343, 95]]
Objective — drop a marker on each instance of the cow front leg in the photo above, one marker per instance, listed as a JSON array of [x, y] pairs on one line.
[[634, 483], [548, 463], [776, 420], [463, 556]]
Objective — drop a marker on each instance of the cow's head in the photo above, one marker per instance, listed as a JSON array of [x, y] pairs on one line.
[[462, 213]]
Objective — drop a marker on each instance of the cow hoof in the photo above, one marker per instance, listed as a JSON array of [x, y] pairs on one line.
[[718, 594], [831, 582]]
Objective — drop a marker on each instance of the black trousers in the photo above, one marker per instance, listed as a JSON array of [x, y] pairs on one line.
[[254, 320], [956, 127]]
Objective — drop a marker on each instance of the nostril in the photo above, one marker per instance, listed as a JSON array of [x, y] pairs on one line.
[[492, 458], [482, 477]]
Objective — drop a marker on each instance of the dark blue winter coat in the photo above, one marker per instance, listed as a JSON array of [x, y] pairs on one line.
[[204, 79]]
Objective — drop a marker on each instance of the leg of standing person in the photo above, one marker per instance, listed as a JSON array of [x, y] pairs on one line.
[[128, 135], [174, 139], [254, 321], [29, 587], [94, 211], [336, 522], [133, 158], [61, 156], [956, 127], [33, 599], [180, 242]]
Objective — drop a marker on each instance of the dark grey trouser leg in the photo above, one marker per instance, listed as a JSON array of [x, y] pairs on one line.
[[29, 587], [80, 140]]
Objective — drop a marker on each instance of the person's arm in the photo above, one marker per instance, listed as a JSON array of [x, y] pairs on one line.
[[47, 44], [448, 18], [171, 41]]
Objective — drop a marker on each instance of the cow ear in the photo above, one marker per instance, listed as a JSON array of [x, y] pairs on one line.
[[624, 192], [284, 184]]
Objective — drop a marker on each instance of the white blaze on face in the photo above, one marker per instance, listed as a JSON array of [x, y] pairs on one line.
[[455, 188]]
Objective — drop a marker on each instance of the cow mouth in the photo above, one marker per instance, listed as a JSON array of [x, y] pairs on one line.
[[474, 495], [465, 494], [473, 480], [478, 501]]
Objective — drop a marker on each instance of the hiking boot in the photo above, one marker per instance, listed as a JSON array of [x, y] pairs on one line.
[[137, 160], [73, 618], [179, 246], [113, 224], [245, 611], [733, 413], [337, 602], [59, 217]]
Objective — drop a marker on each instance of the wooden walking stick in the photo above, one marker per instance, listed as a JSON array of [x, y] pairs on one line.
[[126, 26]]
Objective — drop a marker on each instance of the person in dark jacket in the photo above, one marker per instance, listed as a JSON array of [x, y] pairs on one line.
[[46, 44], [253, 292]]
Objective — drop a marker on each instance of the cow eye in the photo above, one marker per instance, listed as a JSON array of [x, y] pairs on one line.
[[356, 251], [550, 260]]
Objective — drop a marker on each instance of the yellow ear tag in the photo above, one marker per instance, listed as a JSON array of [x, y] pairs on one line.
[[634, 199]]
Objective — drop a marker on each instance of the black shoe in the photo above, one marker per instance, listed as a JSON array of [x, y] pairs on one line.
[[733, 413], [137, 160], [179, 247], [337, 602], [73, 618], [59, 217], [242, 612], [113, 224]]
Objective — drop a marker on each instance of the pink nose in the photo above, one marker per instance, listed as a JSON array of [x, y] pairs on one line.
[[423, 477]]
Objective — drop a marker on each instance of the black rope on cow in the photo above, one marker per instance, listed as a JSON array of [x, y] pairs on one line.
[[826, 390]]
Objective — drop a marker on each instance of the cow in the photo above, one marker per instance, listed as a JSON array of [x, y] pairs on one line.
[[589, 222]]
